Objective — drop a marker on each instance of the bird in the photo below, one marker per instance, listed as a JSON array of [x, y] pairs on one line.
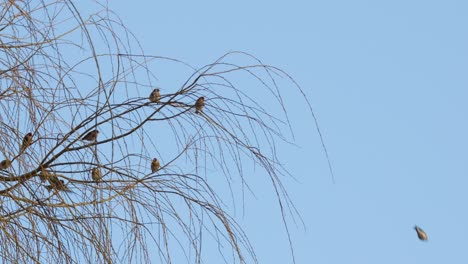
[[91, 136], [96, 174], [199, 104], [52, 178], [155, 165], [421, 234], [5, 164], [27, 140], [54, 181], [155, 96], [58, 185], [45, 175]]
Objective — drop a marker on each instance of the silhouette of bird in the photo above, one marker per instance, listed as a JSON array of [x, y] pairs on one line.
[[5, 164], [421, 234], [155, 96], [199, 104], [91, 136], [27, 140], [155, 165], [96, 174]]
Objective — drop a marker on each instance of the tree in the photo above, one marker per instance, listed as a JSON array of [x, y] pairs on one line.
[[81, 132]]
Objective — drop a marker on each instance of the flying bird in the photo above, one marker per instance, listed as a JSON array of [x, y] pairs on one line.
[[199, 104], [155, 165], [421, 234], [5, 164], [96, 174], [27, 141], [155, 96], [91, 136]]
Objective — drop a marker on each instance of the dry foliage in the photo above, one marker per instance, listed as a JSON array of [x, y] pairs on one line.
[[69, 196]]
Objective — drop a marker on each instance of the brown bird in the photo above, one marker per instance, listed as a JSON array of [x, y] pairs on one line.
[[27, 140], [54, 181], [96, 174], [421, 234], [155, 165], [5, 164], [199, 104], [91, 136], [58, 185], [45, 175], [155, 96]]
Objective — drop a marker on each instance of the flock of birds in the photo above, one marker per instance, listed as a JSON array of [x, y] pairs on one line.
[[59, 185]]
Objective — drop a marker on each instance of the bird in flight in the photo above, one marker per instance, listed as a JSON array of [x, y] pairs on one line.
[[421, 234]]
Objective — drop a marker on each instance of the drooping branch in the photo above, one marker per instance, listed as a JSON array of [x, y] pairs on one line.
[[68, 72]]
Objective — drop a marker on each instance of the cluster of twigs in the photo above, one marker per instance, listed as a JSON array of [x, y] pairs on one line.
[[100, 167]]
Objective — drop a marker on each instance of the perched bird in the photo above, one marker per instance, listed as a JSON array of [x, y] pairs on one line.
[[52, 178], [199, 104], [155, 96], [5, 164], [45, 175], [91, 136], [96, 174], [27, 140], [58, 185], [155, 165], [421, 234]]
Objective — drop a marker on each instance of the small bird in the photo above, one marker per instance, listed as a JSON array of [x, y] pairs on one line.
[[155, 165], [421, 234], [199, 104], [45, 175], [58, 185], [96, 174], [5, 164], [53, 179], [27, 140], [91, 136], [155, 96]]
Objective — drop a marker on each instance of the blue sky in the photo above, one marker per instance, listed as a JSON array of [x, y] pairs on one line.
[[388, 83]]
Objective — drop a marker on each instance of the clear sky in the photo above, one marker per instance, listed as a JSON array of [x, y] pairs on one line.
[[388, 83]]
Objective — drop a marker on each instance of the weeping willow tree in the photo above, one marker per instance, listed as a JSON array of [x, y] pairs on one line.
[[101, 165]]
